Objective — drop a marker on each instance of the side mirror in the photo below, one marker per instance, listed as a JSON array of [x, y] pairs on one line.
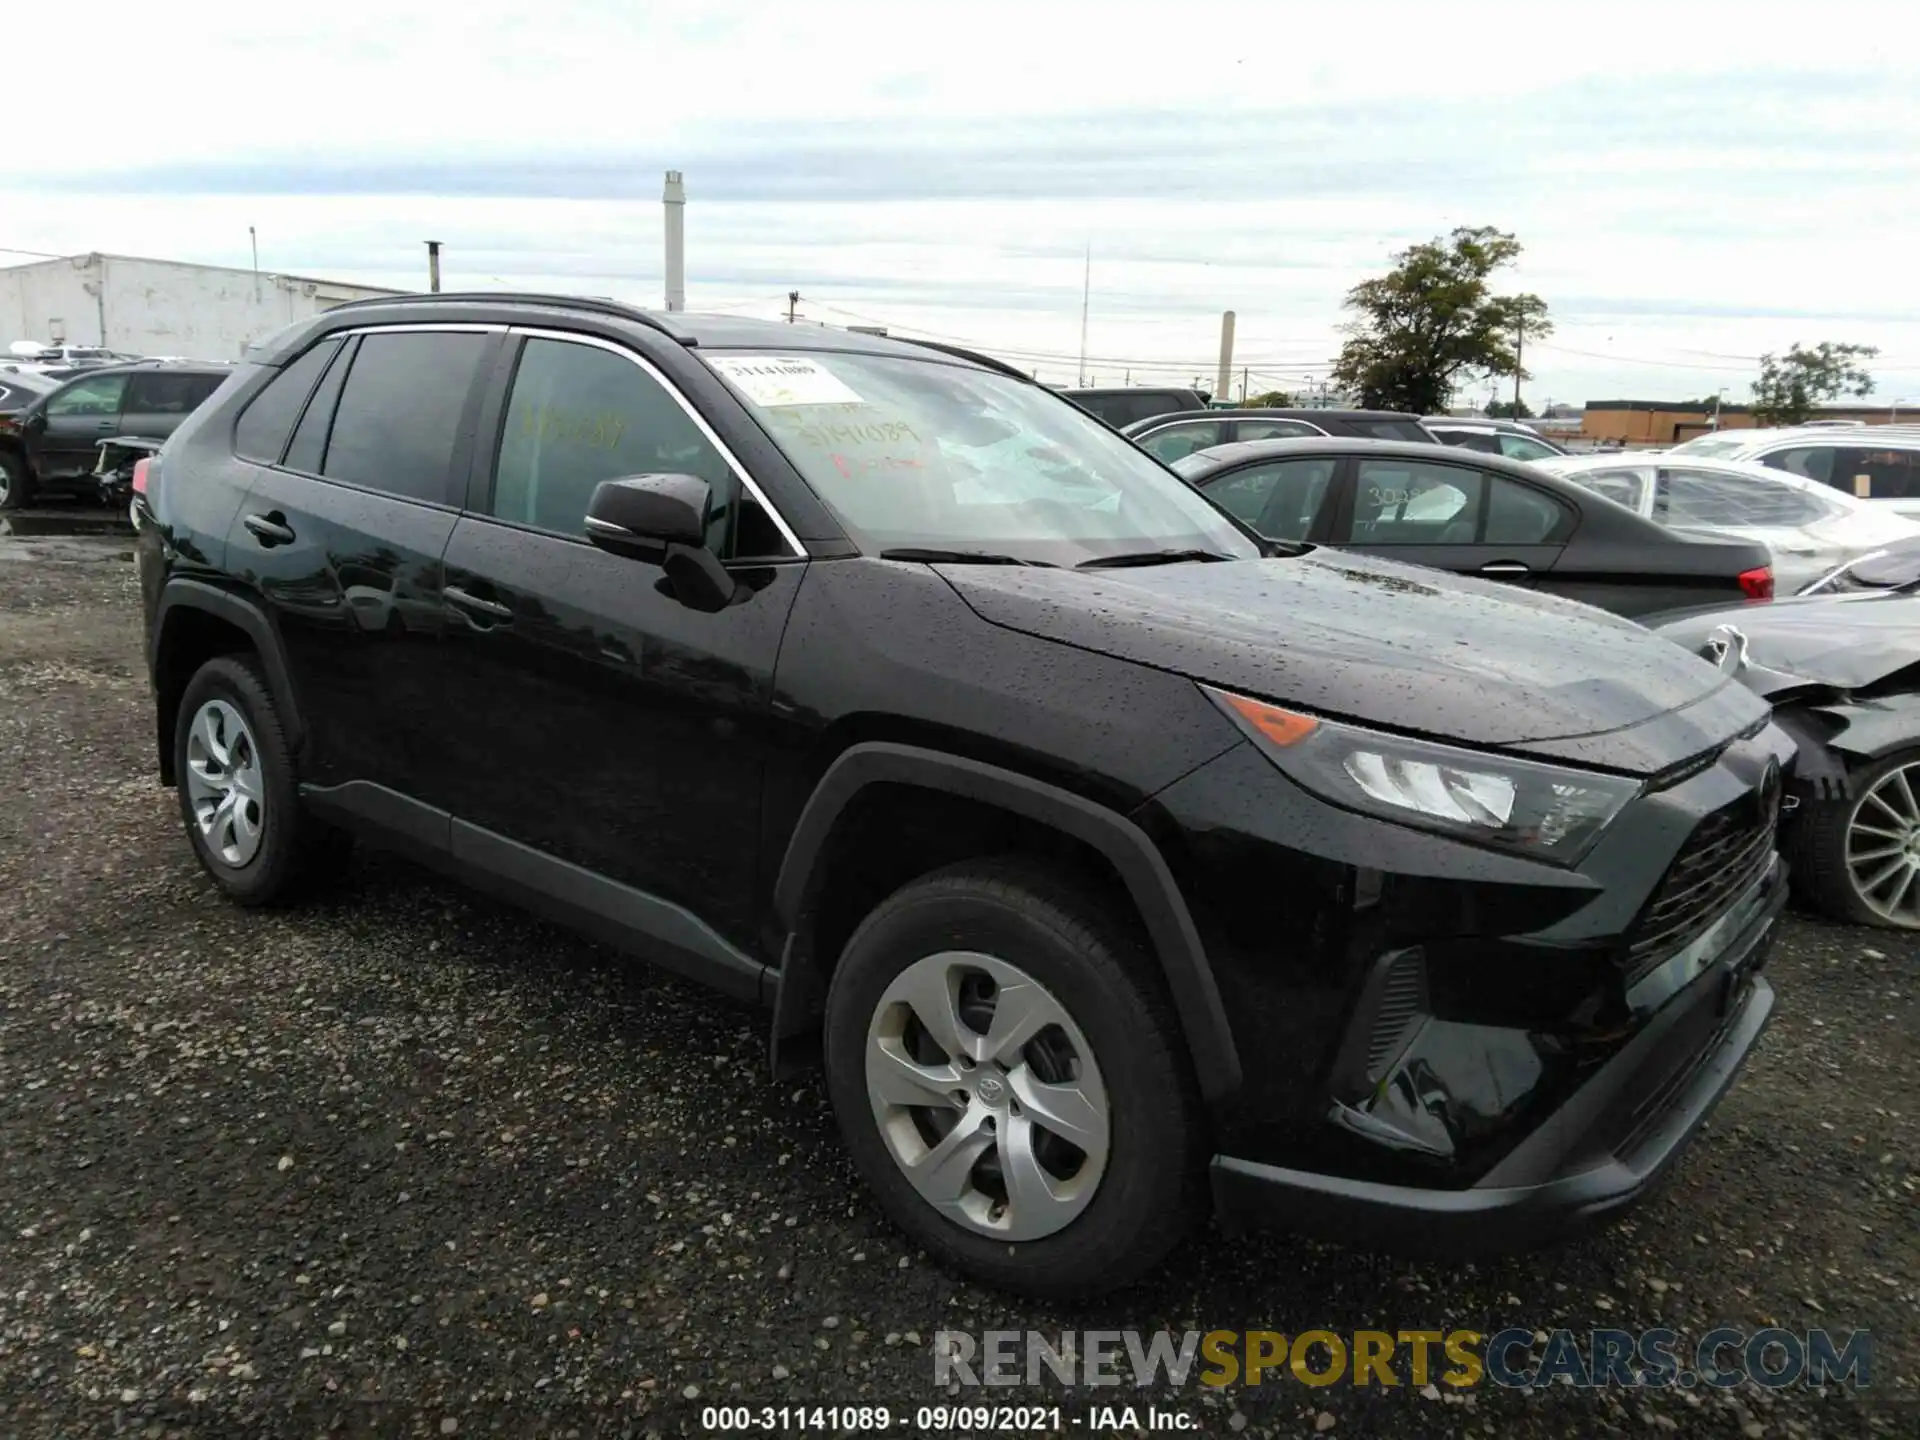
[[663, 519], [643, 514]]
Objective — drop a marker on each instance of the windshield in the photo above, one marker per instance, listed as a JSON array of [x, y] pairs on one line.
[[1711, 444], [921, 454]]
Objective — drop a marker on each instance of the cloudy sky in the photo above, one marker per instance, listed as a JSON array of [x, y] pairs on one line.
[[1694, 183]]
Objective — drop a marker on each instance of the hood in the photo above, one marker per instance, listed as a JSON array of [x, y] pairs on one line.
[[1368, 640], [1847, 642]]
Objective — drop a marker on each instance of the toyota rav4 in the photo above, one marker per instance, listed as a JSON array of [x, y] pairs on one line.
[[1116, 863]]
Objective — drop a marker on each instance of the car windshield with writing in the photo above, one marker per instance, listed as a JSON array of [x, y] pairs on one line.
[[924, 454]]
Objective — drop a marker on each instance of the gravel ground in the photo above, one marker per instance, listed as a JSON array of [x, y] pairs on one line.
[[407, 1162]]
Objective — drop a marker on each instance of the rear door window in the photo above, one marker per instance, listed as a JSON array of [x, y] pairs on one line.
[[399, 415], [1412, 502], [1178, 441], [267, 422], [164, 392]]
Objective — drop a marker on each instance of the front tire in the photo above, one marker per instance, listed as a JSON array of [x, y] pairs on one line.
[[236, 783], [1858, 859], [1009, 1077]]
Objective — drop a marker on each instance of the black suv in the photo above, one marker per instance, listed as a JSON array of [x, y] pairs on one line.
[[1127, 404], [1103, 846], [53, 444]]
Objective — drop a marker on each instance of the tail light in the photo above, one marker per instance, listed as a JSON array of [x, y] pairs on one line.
[[140, 475], [1758, 584]]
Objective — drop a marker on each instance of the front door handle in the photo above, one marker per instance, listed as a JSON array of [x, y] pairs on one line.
[[269, 529], [1505, 570], [474, 605]]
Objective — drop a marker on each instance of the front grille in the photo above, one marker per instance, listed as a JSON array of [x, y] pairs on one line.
[[1727, 852]]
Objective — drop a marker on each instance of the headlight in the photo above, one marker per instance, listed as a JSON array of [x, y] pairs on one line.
[[1542, 811]]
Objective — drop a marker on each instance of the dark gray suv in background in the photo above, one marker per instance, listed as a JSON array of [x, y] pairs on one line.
[[50, 446]]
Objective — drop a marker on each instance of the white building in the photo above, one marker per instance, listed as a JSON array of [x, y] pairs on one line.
[[158, 307]]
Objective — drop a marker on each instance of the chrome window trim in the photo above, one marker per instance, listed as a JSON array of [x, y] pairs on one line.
[[461, 327], [575, 337]]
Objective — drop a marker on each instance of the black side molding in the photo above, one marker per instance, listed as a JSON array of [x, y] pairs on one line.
[[1196, 998], [197, 595], [628, 919]]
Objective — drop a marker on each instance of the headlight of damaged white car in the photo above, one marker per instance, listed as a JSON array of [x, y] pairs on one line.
[[1544, 811]]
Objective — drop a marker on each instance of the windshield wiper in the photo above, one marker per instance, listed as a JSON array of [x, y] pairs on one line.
[[958, 557], [1148, 557]]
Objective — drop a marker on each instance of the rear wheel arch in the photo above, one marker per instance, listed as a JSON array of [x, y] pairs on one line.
[[1011, 812], [195, 622]]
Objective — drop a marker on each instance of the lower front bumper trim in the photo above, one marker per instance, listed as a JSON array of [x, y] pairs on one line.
[[1490, 1219]]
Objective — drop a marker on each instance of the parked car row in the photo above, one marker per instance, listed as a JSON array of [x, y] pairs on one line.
[[1114, 859]]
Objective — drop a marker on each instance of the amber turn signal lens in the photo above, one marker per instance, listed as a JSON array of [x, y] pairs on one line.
[[1282, 727]]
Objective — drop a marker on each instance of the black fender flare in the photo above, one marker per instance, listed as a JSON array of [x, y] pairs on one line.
[[182, 594], [1142, 869]]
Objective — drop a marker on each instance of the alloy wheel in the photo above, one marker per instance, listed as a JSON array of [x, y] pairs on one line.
[[224, 784], [1883, 847], [987, 1095]]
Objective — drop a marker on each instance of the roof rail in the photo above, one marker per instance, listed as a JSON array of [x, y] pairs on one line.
[[984, 361], [521, 297]]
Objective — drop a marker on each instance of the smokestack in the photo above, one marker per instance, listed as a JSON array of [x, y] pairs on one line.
[[1221, 389], [674, 198], [433, 266]]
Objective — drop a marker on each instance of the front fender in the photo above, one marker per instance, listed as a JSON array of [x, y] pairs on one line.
[[1176, 940]]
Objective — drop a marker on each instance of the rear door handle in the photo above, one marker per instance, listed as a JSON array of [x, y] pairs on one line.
[[1505, 570], [474, 605], [269, 529]]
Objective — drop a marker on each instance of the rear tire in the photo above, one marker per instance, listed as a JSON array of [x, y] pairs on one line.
[[1054, 1085], [238, 795], [15, 488], [1837, 848]]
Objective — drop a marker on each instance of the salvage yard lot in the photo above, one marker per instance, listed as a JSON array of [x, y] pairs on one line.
[[408, 1158]]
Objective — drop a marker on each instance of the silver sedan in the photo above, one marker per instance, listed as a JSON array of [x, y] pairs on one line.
[[1810, 528]]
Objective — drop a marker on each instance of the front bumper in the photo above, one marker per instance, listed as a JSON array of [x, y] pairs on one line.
[[1604, 1148]]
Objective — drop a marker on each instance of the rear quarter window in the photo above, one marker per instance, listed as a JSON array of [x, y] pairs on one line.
[[270, 416]]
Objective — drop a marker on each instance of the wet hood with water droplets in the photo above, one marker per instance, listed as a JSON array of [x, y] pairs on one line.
[[1369, 640]]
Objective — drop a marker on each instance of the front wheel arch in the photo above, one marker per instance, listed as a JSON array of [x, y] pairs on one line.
[[1173, 938]]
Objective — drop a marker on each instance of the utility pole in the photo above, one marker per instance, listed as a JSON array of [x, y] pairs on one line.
[[673, 199], [433, 266], [1086, 297], [793, 302], [1519, 348], [254, 240], [1243, 384], [1223, 386]]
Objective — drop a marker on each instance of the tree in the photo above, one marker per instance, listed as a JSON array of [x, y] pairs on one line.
[[1271, 400], [1509, 410], [1431, 322], [1791, 385]]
